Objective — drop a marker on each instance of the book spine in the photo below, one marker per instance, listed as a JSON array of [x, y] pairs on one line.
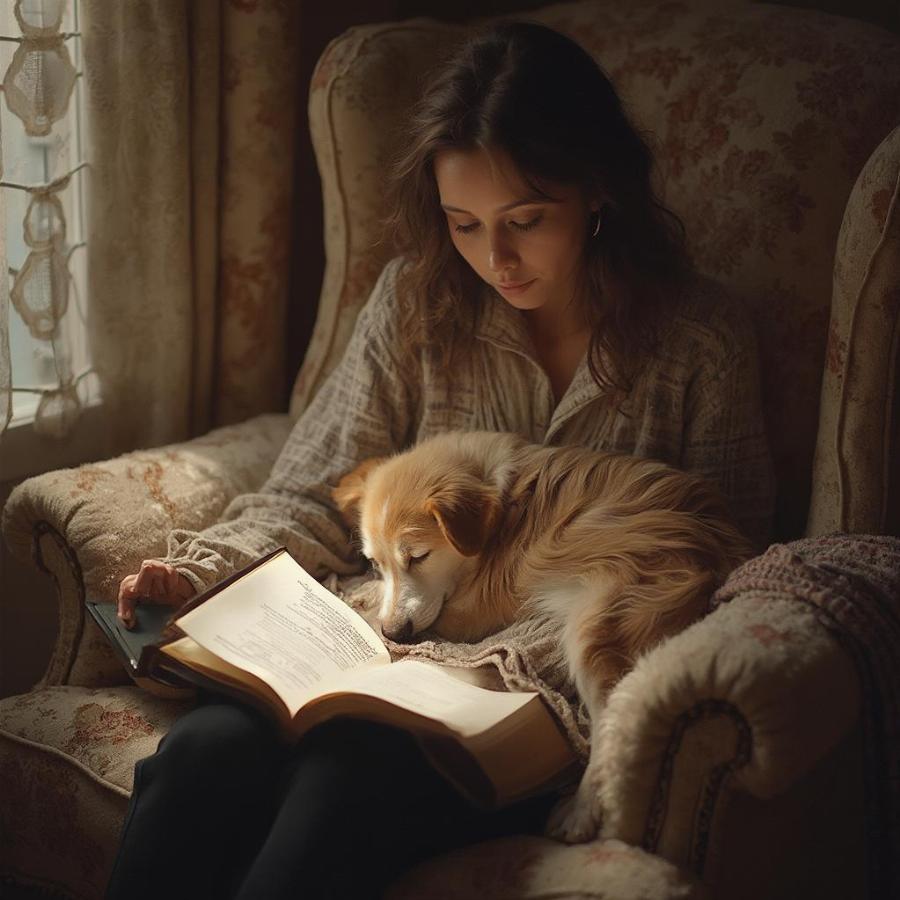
[[131, 664]]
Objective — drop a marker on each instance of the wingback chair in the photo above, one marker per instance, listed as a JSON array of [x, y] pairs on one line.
[[775, 131]]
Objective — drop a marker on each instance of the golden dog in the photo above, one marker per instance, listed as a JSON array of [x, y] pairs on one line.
[[470, 531]]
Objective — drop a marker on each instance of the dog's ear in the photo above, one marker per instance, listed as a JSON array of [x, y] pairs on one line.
[[350, 489], [466, 510]]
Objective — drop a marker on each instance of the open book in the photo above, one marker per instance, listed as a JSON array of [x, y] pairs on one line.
[[273, 636]]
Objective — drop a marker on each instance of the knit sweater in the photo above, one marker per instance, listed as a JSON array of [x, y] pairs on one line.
[[696, 405]]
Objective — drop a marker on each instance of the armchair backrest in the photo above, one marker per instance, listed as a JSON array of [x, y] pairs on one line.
[[763, 119]]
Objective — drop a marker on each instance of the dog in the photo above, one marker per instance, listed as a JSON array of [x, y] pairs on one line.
[[471, 531]]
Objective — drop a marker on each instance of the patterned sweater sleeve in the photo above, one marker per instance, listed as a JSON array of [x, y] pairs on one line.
[[724, 435], [366, 407]]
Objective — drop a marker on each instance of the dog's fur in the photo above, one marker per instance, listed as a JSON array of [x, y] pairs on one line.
[[619, 552]]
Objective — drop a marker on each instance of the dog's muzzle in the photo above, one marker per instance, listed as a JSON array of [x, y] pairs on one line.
[[400, 634]]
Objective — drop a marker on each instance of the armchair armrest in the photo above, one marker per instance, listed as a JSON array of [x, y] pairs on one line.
[[748, 699], [90, 526]]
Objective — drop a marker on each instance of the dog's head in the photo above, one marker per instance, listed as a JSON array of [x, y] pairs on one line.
[[424, 517]]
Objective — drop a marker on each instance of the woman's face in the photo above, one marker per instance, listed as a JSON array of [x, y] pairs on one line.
[[511, 236]]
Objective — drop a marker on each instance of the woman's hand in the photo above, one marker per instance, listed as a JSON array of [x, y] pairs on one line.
[[158, 582]]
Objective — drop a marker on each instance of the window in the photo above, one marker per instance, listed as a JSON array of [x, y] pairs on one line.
[[51, 358]]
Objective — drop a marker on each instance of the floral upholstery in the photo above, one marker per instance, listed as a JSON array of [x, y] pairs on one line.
[[69, 533], [773, 128], [67, 758]]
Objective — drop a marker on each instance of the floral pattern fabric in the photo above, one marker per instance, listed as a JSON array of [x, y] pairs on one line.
[[67, 758]]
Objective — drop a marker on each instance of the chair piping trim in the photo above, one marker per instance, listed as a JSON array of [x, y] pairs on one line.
[[712, 785], [69, 760], [52, 675]]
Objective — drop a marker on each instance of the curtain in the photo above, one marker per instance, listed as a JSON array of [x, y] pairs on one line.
[[190, 123]]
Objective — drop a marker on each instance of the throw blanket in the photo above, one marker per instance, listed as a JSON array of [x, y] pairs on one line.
[[852, 582]]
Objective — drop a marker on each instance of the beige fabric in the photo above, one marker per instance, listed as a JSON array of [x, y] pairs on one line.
[[859, 387], [191, 129]]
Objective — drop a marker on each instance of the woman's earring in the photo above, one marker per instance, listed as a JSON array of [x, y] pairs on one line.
[[596, 230]]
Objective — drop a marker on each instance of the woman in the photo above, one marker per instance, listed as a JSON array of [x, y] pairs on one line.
[[541, 288]]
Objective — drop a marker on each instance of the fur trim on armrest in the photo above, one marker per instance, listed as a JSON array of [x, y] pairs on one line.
[[735, 700]]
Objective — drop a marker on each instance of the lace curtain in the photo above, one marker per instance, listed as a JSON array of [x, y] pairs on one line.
[[190, 118], [38, 86]]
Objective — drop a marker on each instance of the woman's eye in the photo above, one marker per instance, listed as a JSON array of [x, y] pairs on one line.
[[526, 226], [518, 226]]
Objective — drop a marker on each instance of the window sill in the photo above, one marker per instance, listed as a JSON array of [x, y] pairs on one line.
[[23, 453]]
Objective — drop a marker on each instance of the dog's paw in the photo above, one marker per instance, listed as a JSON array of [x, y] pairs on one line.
[[575, 819]]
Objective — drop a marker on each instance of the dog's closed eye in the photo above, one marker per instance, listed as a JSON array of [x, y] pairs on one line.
[[413, 560]]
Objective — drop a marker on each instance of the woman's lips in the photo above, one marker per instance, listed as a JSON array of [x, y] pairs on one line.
[[517, 287]]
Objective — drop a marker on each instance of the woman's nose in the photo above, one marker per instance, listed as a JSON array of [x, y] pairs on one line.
[[501, 257]]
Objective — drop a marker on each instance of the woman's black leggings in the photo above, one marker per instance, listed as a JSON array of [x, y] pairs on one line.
[[224, 808]]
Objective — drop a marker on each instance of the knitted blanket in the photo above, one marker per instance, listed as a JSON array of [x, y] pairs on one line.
[[853, 584]]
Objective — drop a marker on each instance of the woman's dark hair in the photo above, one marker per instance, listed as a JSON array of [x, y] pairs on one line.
[[543, 100]]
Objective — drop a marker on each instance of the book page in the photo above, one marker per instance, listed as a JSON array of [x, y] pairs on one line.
[[280, 624], [430, 690]]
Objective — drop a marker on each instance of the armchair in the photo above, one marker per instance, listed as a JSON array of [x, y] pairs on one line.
[[773, 130]]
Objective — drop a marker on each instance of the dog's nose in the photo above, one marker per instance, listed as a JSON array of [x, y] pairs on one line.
[[399, 635]]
